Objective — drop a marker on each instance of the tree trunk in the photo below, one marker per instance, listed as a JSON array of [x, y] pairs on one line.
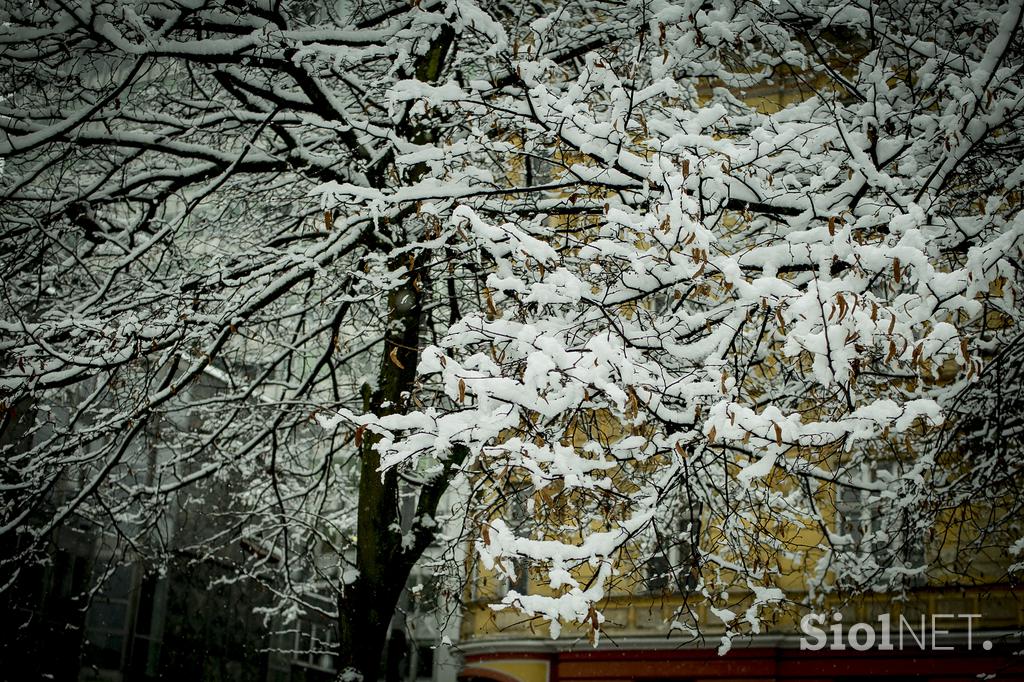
[[367, 605]]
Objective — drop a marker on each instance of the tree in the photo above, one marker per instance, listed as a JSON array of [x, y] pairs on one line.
[[563, 245]]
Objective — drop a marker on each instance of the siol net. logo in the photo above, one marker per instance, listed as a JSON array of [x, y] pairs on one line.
[[931, 633]]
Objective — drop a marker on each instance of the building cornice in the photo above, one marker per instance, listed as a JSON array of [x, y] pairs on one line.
[[532, 647]]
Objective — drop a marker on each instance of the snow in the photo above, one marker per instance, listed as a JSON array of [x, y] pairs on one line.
[[745, 294]]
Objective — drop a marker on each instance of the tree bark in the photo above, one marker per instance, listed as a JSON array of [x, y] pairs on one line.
[[367, 605]]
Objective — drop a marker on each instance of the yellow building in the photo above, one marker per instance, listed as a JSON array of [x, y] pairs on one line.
[[962, 620], [940, 628]]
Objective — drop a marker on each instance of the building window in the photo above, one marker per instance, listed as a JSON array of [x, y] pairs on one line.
[[108, 621], [674, 563], [519, 514], [424, 661], [315, 646], [149, 622], [873, 527], [425, 592], [541, 168], [520, 582]]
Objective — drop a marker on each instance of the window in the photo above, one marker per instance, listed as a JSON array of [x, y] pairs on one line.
[[657, 572], [425, 591], [874, 527], [424, 661], [124, 623], [541, 167], [417, 660], [315, 645], [674, 564], [108, 621], [519, 516], [521, 581], [149, 621]]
